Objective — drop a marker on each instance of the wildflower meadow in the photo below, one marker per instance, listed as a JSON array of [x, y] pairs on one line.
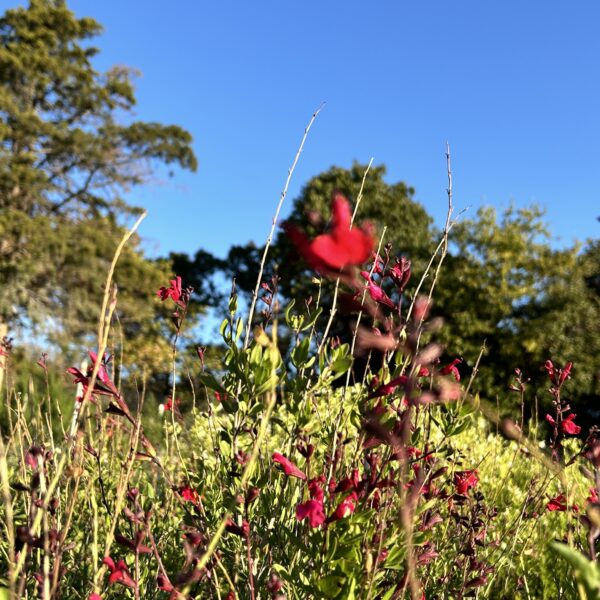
[[386, 409]]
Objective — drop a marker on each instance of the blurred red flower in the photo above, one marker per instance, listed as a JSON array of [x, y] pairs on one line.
[[341, 247], [289, 468]]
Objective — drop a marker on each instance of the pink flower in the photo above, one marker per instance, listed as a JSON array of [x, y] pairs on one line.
[[163, 583], [464, 480], [341, 247], [289, 468], [311, 510], [400, 273], [567, 425], [174, 291], [376, 292], [119, 573], [94, 596]]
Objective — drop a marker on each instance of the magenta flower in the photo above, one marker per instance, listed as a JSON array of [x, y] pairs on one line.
[[400, 273], [289, 468], [174, 291], [315, 488], [343, 246], [376, 292], [311, 510], [568, 425]]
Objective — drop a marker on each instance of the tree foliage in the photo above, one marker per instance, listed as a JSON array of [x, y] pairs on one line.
[[69, 152]]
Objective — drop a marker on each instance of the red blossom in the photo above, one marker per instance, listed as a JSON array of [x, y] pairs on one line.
[[464, 480], [243, 531], [345, 508], [168, 405], [400, 272], [451, 368], [343, 246], [289, 468], [174, 291], [558, 376], [567, 425], [376, 292], [389, 388], [94, 596], [311, 510], [189, 495], [557, 504], [119, 573], [593, 497], [163, 583], [315, 488]]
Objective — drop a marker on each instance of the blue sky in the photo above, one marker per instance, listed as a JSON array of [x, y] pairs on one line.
[[513, 86]]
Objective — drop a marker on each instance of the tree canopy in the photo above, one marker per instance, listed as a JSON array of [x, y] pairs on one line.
[[69, 153]]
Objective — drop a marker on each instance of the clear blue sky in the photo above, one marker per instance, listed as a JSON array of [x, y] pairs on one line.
[[513, 86]]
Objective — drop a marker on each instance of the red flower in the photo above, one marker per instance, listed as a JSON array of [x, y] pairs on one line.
[[377, 292], [163, 583], [464, 480], [243, 531], [94, 596], [567, 425], [559, 503], [593, 497], [342, 247], [315, 488], [168, 405], [400, 273], [451, 368], [345, 508], [189, 495], [558, 376], [289, 468], [311, 510], [119, 573], [174, 291], [389, 388]]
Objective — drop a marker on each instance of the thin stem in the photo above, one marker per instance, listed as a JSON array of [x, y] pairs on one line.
[[274, 225]]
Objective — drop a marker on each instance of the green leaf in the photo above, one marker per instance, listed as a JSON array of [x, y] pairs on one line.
[[211, 382], [586, 572]]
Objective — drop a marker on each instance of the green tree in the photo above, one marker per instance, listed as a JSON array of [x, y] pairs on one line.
[[68, 154], [505, 285]]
